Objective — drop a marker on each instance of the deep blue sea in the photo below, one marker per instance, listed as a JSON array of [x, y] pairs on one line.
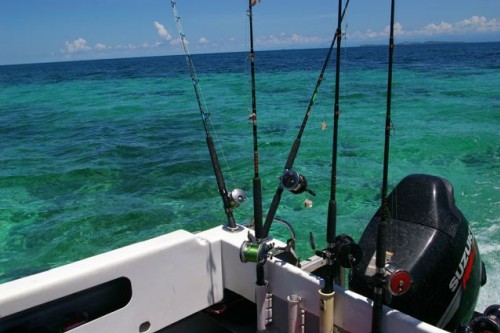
[[95, 155]]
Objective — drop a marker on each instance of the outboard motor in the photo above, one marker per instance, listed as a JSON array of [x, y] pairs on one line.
[[428, 237]]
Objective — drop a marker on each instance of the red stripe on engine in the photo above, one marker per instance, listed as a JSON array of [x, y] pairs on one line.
[[470, 264]]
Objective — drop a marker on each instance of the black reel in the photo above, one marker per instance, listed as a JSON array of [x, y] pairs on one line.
[[347, 253], [295, 182]]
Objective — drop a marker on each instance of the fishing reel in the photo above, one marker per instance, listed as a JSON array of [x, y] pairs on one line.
[[252, 251], [295, 182], [237, 197], [395, 280], [347, 253], [399, 280]]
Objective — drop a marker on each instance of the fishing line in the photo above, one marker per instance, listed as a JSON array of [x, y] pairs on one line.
[[324, 124], [333, 266], [379, 277], [237, 196], [290, 177], [257, 185], [345, 88], [221, 150]]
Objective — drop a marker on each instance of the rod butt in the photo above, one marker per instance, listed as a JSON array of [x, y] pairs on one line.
[[326, 312]]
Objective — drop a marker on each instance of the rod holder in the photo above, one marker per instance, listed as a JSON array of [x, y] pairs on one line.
[[326, 312], [295, 314], [263, 300]]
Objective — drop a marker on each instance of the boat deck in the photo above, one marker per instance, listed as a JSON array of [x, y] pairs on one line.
[[236, 315]]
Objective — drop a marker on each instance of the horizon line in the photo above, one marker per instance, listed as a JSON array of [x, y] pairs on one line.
[[402, 43]]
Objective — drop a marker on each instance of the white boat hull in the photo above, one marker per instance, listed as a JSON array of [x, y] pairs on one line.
[[174, 276]]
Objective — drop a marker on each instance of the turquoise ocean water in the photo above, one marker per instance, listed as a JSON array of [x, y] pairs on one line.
[[96, 155]]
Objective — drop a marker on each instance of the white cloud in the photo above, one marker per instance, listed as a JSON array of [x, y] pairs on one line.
[[162, 32], [78, 45], [298, 38], [125, 47], [286, 39], [474, 24], [178, 41], [479, 24], [147, 45], [203, 40], [100, 46], [434, 29]]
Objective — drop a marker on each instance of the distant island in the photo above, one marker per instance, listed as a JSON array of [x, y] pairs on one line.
[[417, 43], [431, 42]]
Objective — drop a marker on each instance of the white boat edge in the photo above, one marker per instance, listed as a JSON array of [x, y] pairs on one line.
[[180, 273]]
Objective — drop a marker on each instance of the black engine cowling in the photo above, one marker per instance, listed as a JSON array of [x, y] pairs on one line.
[[429, 237]]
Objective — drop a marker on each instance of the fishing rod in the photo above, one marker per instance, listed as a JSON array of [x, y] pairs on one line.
[[332, 204], [334, 244], [256, 245], [237, 196], [341, 251], [379, 276], [291, 180], [257, 187]]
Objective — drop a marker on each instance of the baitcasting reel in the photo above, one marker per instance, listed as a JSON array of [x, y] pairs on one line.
[[347, 253], [295, 182]]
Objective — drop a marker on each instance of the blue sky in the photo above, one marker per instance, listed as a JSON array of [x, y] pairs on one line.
[[59, 30]]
